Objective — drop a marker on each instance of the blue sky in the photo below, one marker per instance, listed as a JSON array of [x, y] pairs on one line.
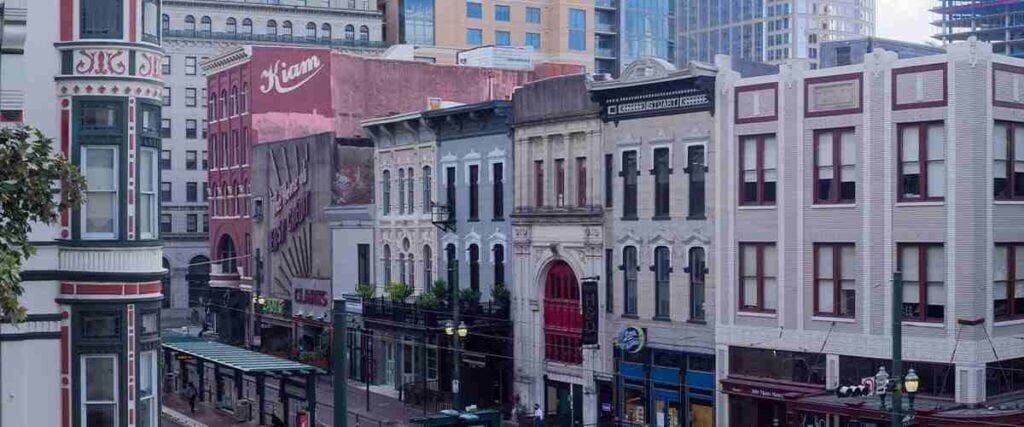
[[907, 20]]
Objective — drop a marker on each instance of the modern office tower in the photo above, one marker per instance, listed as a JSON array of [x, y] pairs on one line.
[[996, 22]]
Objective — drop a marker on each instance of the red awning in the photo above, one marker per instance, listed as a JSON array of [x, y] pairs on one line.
[[762, 389]]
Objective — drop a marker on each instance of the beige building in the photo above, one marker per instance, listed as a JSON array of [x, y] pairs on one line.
[[559, 31]]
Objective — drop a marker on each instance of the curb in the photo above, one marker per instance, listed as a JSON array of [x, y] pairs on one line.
[[180, 418]]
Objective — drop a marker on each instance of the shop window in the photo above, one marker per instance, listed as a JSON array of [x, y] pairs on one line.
[[758, 159], [101, 19], [835, 291], [99, 390], [835, 170], [799, 367], [922, 167], [758, 273], [498, 190], [1008, 281], [1004, 377], [630, 266], [1008, 161], [936, 379], [661, 171], [924, 272], [629, 174], [696, 170]]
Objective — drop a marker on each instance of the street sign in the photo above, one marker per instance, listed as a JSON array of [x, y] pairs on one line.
[[590, 306], [455, 386]]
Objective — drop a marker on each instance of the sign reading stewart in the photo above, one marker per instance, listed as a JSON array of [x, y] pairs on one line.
[[655, 103], [653, 87]]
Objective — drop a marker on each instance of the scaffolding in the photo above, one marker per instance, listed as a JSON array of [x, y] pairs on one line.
[[1000, 22]]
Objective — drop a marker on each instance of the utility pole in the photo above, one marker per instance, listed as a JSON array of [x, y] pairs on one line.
[[897, 349], [340, 365], [456, 341]]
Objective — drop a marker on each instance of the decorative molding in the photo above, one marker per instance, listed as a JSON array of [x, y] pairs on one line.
[[101, 62], [757, 116], [834, 95], [119, 260], [149, 66], [919, 71]]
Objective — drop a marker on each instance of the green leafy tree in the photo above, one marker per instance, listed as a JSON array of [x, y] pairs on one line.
[[36, 184]]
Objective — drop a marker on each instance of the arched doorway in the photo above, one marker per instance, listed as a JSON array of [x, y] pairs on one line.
[[563, 321], [198, 280]]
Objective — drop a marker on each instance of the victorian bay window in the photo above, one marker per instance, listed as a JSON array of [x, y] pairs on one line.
[[630, 265], [922, 166], [147, 390], [835, 292], [835, 172], [924, 273], [661, 172], [1008, 158], [629, 174], [662, 284], [758, 272], [758, 160], [99, 219], [102, 19], [99, 390], [1008, 281]]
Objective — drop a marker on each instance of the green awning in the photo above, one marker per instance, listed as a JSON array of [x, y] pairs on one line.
[[247, 361]]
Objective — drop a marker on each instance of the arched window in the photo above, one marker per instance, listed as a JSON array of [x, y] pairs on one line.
[[563, 321], [385, 198], [227, 255], [410, 191], [387, 265], [474, 267], [206, 25], [286, 29], [364, 34], [325, 32], [223, 107], [272, 28], [630, 267], [499, 265], [350, 32], [311, 32], [428, 268], [234, 198], [401, 191], [661, 282], [412, 272], [165, 23], [453, 266], [190, 25], [242, 104], [165, 285], [697, 268], [426, 189], [246, 28], [213, 107], [401, 269], [231, 26], [234, 100], [198, 279]]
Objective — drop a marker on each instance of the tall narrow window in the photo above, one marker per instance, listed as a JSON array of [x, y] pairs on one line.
[[922, 167], [246, 28], [499, 265], [581, 181], [386, 192], [662, 270], [99, 390], [1008, 158], [147, 389], [205, 26], [363, 258], [231, 27], [661, 171], [453, 267], [350, 32], [498, 190], [310, 32], [286, 30], [150, 17], [387, 265], [190, 25], [101, 19], [629, 174], [427, 187], [474, 267], [609, 190], [165, 24], [835, 159], [697, 269], [560, 182], [428, 266], [924, 274], [696, 171], [402, 278], [758, 273], [271, 29], [577, 29], [325, 33], [1008, 281], [759, 160], [364, 34], [474, 192], [410, 190], [412, 270], [538, 183], [148, 176], [609, 280], [630, 266], [99, 219], [401, 191], [835, 292], [450, 192]]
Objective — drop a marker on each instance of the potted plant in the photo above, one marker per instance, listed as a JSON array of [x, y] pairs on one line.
[[500, 296], [440, 291], [366, 291], [428, 303], [469, 298], [398, 292]]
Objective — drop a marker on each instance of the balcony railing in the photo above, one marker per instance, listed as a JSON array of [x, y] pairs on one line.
[[604, 52], [443, 217], [604, 28], [332, 42], [411, 315]]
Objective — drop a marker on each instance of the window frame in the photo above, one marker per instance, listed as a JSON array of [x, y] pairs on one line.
[[922, 279], [499, 35], [116, 213], [191, 97], [474, 32], [630, 286], [630, 191], [502, 17], [758, 274], [153, 416], [385, 191], [476, 12], [559, 182], [191, 65], [113, 30], [538, 183], [1013, 278], [922, 160], [427, 190], [473, 253], [581, 181], [155, 200], [84, 389], [473, 178], [1012, 184], [697, 278], [836, 198], [837, 279], [662, 269], [662, 181], [694, 170], [530, 13], [498, 190], [759, 168], [574, 32]]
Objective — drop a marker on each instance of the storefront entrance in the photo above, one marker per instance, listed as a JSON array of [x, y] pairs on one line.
[[666, 388], [563, 404]]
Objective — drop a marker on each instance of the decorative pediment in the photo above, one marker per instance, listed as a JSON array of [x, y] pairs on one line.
[[646, 69]]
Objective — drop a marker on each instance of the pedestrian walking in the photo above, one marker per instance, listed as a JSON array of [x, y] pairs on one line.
[[191, 394], [538, 416]]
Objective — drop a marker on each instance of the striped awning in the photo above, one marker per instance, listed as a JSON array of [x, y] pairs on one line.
[[238, 358]]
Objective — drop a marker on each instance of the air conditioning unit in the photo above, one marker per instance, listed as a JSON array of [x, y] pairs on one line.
[[243, 410]]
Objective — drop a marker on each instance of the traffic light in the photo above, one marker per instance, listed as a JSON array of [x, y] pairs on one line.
[[853, 391]]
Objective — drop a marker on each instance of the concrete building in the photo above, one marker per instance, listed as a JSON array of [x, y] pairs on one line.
[[193, 31], [658, 136], [559, 31], [769, 31], [838, 53], [828, 182], [557, 238], [87, 74], [995, 22]]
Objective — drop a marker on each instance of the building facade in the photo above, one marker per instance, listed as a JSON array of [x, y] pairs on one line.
[[993, 22], [769, 31], [195, 31], [86, 73], [559, 31], [557, 243], [831, 180], [625, 31], [658, 137]]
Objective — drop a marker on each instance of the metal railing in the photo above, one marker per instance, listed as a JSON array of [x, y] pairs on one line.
[[270, 38], [426, 395], [412, 315]]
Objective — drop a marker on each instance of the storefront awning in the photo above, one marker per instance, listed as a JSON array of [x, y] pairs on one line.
[[247, 361], [759, 388]]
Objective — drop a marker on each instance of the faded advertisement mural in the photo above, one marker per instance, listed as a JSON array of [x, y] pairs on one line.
[[291, 94], [353, 175]]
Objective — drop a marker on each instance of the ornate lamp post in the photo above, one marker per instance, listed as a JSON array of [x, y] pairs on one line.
[[910, 383], [881, 384], [457, 333]]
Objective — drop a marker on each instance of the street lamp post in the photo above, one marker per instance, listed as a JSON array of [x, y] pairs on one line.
[[910, 383], [457, 333]]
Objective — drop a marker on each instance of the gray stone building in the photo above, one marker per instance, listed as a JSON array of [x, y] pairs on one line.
[[557, 237], [828, 182], [658, 136]]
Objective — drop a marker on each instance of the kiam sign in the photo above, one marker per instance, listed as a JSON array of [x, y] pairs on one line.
[[283, 78]]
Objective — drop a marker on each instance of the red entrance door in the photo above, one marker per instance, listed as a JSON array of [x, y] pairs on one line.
[[563, 321]]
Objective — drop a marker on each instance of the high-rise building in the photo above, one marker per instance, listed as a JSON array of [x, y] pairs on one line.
[[991, 21], [195, 30], [769, 30], [558, 30], [627, 30], [87, 74]]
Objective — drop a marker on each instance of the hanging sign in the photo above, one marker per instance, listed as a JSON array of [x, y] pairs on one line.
[[632, 339], [590, 309]]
